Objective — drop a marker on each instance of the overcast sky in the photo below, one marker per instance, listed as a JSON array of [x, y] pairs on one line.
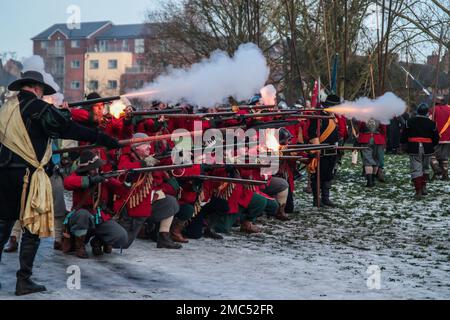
[[20, 20]]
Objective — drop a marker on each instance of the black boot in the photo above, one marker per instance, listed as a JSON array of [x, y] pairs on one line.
[[325, 188], [210, 233], [369, 178], [290, 203], [164, 241], [28, 249]]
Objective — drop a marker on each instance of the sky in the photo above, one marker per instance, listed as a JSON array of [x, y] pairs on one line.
[[20, 20]]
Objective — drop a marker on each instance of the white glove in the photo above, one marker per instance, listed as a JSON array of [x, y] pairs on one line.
[[150, 161]]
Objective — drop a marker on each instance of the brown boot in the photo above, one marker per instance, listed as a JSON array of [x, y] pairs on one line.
[[57, 245], [96, 245], [165, 242], [12, 245], [425, 178], [281, 215], [176, 231], [107, 248], [249, 227], [418, 187], [445, 170], [436, 166], [67, 244], [380, 175], [80, 250]]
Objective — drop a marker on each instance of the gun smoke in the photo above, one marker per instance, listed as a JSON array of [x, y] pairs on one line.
[[383, 108], [213, 80]]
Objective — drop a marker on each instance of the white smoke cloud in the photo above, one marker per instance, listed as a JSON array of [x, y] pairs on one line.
[[269, 95], [383, 108], [36, 63], [213, 80]]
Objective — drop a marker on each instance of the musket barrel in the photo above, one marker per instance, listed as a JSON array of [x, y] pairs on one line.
[[93, 101]]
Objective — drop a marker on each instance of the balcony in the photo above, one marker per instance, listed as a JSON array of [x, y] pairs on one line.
[[56, 51], [137, 70], [108, 48]]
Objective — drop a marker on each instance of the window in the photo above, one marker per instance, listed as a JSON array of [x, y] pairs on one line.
[[59, 44], [93, 85], [75, 85], [102, 44], [93, 64], [112, 84], [75, 64], [139, 84], [139, 46], [75, 43], [44, 44], [124, 45], [112, 64]]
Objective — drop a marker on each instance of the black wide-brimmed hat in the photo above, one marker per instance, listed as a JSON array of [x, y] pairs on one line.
[[331, 101], [31, 77], [89, 161]]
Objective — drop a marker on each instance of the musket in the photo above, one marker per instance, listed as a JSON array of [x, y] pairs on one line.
[[247, 107], [145, 170], [93, 101], [226, 179], [126, 142], [240, 165], [292, 158], [200, 115], [323, 147], [155, 112], [293, 114]]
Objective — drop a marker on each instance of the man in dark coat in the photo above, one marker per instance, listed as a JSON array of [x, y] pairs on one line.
[[420, 136], [43, 122], [327, 133]]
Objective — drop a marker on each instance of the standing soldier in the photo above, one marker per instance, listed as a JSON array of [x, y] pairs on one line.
[[421, 136], [441, 115], [372, 134], [27, 125], [328, 132]]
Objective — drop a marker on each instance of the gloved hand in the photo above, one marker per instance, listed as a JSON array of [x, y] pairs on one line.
[[130, 177], [150, 161], [93, 180], [107, 141]]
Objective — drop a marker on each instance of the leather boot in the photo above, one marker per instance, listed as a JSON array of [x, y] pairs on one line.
[[418, 187], [165, 242], [369, 178], [436, 166], [425, 178], [281, 215], [12, 245], [96, 245], [68, 245], [80, 249], [28, 249], [107, 248], [210, 233], [380, 175], [176, 231], [325, 188], [445, 170], [249, 227], [57, 245]]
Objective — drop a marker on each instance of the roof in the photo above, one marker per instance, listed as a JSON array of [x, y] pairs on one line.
[[125, 31], [85, 31]]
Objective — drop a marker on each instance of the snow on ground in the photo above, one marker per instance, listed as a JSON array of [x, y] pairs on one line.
[[321, 254]]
